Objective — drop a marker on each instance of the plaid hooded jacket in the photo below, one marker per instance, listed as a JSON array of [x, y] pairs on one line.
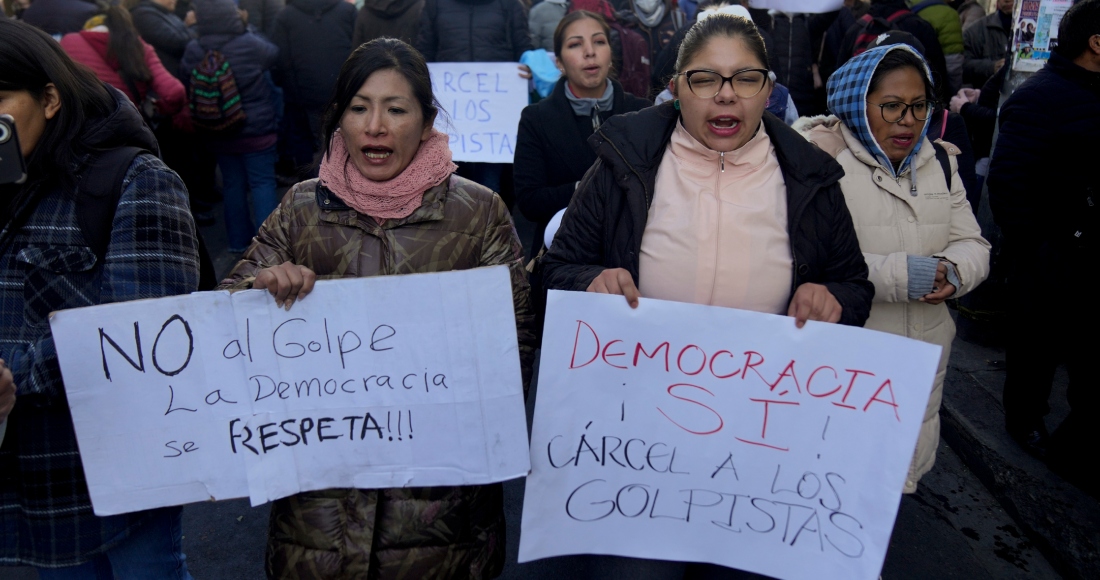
[[46, 515]]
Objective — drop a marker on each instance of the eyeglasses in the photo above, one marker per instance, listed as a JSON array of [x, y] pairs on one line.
[[894, 112], [706, 84]]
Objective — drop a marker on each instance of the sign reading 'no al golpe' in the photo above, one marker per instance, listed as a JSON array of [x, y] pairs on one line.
[[389, 381], [694, 433]]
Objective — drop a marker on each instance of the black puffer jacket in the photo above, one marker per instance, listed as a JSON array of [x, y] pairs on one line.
[[164, 31], [473, 31], [793, 57], [314, 40], [603, 225], [393, 18]]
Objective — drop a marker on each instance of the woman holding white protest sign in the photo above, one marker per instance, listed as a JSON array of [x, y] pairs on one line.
[[915, 227], [387, 203], [709, 199], [97, 219]]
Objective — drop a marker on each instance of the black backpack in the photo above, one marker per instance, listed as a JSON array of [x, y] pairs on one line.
[[871, 27], [100, 189]]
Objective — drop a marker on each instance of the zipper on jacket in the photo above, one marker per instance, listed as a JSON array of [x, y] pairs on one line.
[[722, 161]]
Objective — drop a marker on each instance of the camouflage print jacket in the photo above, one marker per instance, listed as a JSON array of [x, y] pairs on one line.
[[440, 532]]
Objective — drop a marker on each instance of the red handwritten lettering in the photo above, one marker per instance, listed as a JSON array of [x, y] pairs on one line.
[[721, 422]]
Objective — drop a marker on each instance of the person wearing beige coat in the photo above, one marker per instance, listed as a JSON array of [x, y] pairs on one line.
[[915, 226]]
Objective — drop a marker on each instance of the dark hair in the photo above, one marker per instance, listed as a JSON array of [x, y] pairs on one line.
[[569, 19], [31, 59], [898, 59], [124, 44], [723, 25], [1080, 23], [369, 58]]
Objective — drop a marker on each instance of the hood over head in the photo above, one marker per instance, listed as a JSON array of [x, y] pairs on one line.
[[217, 17], [847, 90], [122, 127]]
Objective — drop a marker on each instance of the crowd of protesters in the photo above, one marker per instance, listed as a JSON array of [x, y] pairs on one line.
[[828, 167]]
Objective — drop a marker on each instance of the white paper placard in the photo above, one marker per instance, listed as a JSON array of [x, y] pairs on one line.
[[482, 102], [794, 6], [373, 382], [694, 433]]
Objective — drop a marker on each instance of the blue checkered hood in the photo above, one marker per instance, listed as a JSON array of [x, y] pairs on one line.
[[847, 89]]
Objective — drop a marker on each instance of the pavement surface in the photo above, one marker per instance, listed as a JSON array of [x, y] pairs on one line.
[[986, 510]]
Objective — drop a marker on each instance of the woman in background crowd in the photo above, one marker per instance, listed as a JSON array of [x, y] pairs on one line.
[[314, 38], [387, 191], [246, 157], [74, 129], [915, 227], [552, 152], [112, 48], [710, 200]]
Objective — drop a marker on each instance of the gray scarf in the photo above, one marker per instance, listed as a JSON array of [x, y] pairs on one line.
[[591, 107], [649, 12]]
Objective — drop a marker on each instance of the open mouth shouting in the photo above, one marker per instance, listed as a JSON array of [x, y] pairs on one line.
[[377, 155], [724, 125]]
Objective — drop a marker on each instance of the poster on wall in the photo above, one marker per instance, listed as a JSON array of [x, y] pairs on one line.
[[1035, 33]]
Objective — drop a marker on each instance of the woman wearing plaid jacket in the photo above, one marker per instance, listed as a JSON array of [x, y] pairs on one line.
[[72, 129]]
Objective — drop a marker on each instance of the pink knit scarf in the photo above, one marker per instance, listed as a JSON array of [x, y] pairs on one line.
[[393, 199]]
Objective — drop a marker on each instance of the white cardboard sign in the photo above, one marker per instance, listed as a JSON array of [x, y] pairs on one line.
[[694, 433], [372, 382], [795, 6], [482, 102]]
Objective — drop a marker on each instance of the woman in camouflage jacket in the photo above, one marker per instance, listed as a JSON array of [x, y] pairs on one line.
[[386, 203]]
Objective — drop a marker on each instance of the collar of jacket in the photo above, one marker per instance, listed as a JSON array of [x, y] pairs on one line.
[[335, 211], [561, 102], [633, 145], [1074, 73]]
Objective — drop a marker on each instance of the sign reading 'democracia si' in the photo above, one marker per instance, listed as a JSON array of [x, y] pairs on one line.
[[482, 102], [373, 382], [695, 433]]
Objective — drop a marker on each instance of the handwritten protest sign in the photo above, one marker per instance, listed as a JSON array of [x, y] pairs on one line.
[[373, 382], [808, 6], [694, 433], [482, 102]]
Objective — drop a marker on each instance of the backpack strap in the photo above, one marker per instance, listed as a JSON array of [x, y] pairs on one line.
[[897, 15], [98, 193], [945, 161]]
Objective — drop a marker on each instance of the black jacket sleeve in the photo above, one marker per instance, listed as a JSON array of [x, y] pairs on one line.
[[1017, 176], [577, 255], [846, 270]]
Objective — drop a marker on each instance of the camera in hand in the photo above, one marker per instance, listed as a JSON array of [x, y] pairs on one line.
[[13, 169]]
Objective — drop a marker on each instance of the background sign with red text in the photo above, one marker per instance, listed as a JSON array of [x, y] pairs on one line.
[[695, 433]]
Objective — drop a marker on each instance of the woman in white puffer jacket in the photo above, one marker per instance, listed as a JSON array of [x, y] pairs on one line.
[[915, 227]]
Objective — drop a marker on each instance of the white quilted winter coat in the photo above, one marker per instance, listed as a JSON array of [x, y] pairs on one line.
[[891, 224]]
